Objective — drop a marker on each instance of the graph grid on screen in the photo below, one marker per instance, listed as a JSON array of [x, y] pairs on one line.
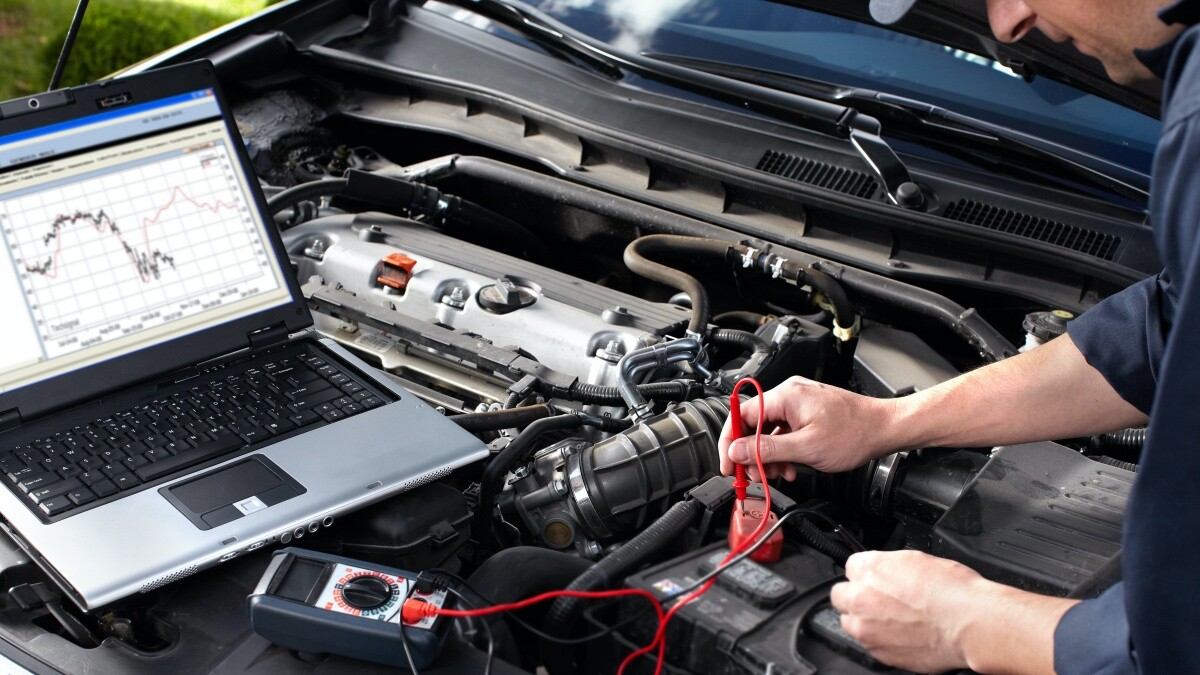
[[136, 247]]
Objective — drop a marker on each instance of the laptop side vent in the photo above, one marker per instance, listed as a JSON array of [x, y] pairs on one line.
[[1082, 239], [164, 580], [421, 480], [820, 174]]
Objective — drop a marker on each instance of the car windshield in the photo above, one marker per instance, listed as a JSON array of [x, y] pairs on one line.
[[765, 35]]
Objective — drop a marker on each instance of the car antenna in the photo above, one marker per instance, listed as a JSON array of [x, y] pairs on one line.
[[73, 31]]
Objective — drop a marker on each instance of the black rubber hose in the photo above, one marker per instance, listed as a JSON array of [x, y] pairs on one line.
[[745, 340], [494, 420], [843, 311], [486, 223], [814, 537], [564, 612], [493, 474], [637, 258], [1120, 464], [1125, 439], [750, 319], [306, 192]]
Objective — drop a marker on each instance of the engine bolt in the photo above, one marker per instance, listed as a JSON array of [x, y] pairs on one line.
[[559, 487]]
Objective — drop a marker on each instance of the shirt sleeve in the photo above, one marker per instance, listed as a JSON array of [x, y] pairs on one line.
[[1092, 638], [1124, 335]]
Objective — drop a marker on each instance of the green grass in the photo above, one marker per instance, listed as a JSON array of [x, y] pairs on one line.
[[115, 33]]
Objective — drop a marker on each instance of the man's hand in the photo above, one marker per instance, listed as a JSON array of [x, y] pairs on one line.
[[914, 611], [827, 428]]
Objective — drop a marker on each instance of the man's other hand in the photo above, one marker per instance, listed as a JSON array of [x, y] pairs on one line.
[[822, 426], [914, 611]]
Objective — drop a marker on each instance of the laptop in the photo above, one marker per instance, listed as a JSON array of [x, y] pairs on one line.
[[164, 405]]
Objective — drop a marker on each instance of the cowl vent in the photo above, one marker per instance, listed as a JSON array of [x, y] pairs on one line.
[[820, 174], [1080, 239]]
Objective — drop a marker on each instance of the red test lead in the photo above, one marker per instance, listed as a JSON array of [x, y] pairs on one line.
[[740, 482], [749, 514]]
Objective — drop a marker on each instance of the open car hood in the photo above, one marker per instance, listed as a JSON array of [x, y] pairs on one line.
[[963, 24]]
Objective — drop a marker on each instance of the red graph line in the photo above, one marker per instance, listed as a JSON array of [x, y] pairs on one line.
[[146, 264]]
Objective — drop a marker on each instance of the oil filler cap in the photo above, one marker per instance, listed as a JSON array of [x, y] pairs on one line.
[[504, 296]]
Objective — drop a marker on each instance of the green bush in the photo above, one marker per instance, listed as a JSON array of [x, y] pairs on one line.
[[118, 33]]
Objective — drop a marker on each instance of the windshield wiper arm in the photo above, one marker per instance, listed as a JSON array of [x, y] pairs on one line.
[[933, 125], [829, 118]]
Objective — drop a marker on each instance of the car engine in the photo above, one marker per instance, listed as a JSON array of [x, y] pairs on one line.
[[592, 340]]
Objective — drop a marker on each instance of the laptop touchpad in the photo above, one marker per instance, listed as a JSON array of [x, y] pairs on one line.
[[232, 492]]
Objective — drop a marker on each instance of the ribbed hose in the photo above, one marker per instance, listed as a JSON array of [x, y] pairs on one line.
[[1125, 439], [815, 538], [594, 394], [1120, 464], [565, 611], [637, 258], [494, 420]]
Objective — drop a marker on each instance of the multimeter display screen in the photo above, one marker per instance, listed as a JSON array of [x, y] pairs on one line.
[[300, 579]]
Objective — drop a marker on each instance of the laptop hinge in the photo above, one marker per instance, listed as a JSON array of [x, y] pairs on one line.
[[267, 337], [10, 419]]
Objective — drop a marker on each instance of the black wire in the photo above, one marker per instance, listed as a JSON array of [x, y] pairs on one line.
[[412, 585], [487, 627], [69, 42]]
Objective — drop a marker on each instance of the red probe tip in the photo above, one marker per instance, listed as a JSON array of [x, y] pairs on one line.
[[740, 482]]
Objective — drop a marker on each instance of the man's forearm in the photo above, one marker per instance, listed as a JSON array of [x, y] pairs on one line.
[[1010, 631], [1049, 392]]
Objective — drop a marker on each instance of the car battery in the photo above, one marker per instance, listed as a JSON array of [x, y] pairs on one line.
[[757, 618]]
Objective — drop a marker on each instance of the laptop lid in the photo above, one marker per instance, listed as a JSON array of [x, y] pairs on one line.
[[136, 239]]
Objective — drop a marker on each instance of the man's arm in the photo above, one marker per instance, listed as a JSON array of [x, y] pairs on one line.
[[1048, 392]]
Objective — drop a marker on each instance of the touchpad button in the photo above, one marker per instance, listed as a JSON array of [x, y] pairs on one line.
[[232, 492]]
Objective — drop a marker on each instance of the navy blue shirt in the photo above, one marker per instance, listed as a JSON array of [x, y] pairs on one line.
[[1146, 342]]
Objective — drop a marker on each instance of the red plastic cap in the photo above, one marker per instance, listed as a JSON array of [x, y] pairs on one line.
[[745, 519], [395, 270]]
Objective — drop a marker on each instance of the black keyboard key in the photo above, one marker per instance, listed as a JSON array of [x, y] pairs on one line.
[[254, 434], [62, 487], [11, 465], [333, 415], [22, 473], [92, 477], [351, 388], [70, 471], [104, 488], [315, 399], [300, 376], [371, 402], [352, 408], [304, 417], [125, 481], [38, 481], [280, 426], [306, 389], [156, 454], [339, 379], [55, 506], [134, 461], [195, 456], [91, 463], [81, 496]]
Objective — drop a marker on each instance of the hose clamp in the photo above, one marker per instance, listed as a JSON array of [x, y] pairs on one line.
[[777, 267], [749, 256]]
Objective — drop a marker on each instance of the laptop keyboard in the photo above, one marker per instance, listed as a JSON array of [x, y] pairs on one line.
[[230, 408]]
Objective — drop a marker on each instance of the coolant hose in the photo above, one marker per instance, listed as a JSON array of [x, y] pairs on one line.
[[745, 340], [565, 611], [637, 259]]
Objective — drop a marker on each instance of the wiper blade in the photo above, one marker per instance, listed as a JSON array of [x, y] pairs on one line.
[[945, 129], [822, 116]]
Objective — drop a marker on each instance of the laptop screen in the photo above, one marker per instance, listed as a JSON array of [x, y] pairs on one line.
[[122, 230]]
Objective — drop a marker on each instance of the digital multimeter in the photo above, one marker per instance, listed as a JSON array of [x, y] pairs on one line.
[[316, 602]]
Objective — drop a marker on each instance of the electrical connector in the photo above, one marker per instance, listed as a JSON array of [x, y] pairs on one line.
[[414, 611], [745, 520]]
